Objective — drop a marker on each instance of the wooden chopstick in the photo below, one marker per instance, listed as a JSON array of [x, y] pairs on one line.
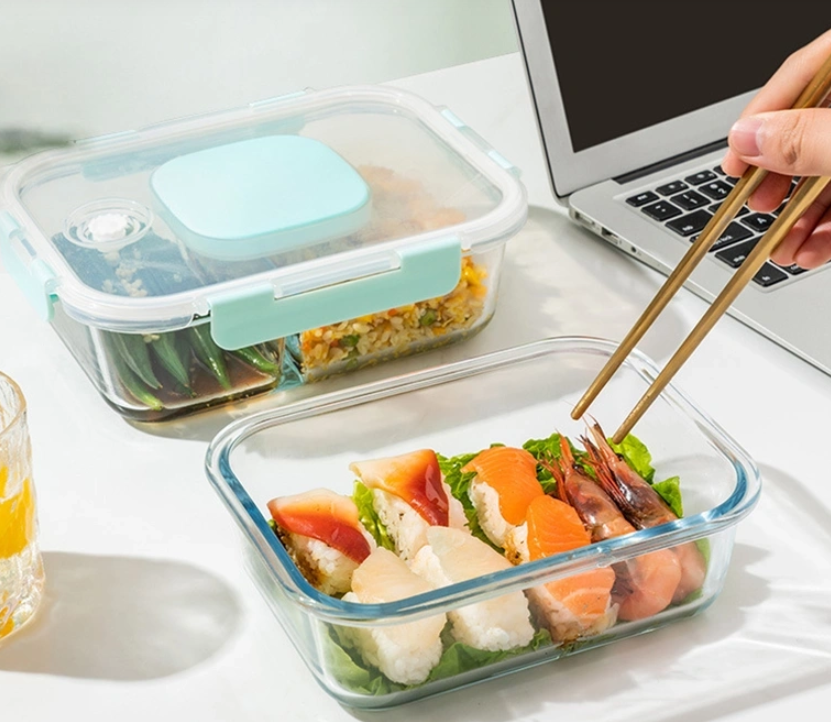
[[815, 94], [715, 227], [804, 195]]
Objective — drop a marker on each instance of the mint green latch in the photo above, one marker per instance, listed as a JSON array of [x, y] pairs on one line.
[[253, 315], [34, 278]]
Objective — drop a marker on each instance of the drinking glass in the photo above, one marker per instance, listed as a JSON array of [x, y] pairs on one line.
[[21, 567]]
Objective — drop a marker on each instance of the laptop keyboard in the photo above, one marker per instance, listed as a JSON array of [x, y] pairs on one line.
[[685, 206]]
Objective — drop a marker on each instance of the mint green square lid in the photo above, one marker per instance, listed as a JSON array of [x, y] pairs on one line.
[[260, 197]]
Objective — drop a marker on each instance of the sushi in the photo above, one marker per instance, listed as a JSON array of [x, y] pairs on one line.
[[504, 486], [409, 496], [322, 534], [405, 653], [453, 555], [575, 606]]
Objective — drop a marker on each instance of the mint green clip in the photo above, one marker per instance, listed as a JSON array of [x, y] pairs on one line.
[[253, 315]]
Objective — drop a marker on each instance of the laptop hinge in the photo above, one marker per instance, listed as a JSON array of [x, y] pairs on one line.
[[669, 162]]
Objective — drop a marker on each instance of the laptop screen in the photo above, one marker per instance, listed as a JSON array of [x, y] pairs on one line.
[[625, 66]]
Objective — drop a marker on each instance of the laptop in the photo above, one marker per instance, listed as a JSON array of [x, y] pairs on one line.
[[634, 102]]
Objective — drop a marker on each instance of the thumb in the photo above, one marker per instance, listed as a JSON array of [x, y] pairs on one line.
[[790, 142]]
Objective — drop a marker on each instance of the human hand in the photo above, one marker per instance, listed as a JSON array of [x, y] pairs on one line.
[[788, 143]]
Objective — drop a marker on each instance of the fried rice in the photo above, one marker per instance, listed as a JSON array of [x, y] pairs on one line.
[[400, 207]]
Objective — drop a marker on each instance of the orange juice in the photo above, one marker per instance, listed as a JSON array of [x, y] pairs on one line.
[[21, 570]]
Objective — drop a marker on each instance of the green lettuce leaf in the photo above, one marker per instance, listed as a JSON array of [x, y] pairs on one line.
[[670, 491], [362, 496], [635, 453], [549, 450], [458, 657], [545, 450]]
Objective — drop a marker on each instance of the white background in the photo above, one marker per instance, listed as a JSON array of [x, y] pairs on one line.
[[89, 67]]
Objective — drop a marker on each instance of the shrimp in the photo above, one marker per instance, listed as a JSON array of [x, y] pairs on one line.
[[644, 585], [643, 506]]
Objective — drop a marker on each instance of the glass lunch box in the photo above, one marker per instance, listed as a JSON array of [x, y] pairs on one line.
[[217, 257], [368, 647]]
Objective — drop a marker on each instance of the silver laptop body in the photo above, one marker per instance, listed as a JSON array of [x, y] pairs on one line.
[[601, 162]]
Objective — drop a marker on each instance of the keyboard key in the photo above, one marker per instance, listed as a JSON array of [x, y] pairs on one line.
[[718, 170], [717, 190], [731, 179], [735, 255], [743, 211], [793, 269], [769, 274], [733, 234], [642, 199], [759, 222], [689, 224], [672, 188], [700, 177], [690, 200], [661, 211]]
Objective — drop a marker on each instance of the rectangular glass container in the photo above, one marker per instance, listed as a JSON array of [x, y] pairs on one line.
[[504, 397], [211, 258]]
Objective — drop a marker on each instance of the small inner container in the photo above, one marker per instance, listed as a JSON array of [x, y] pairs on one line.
[[261, 248], [507, 397]]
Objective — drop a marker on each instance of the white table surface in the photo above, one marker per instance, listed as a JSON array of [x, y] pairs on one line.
[[150, 615]]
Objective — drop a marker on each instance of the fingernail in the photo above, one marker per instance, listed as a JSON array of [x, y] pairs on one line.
[[744, 136]]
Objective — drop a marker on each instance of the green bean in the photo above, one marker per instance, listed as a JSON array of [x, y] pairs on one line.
[[164, 347], [135, 386], [209, 353], [252, 356], [429, 318], [133, 351]]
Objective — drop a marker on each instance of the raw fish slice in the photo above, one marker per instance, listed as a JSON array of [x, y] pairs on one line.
[[504, 485], [577, 605], [454, 556], [321, 532], [414, 477], [324, 515], [405, 653], [409, 496]]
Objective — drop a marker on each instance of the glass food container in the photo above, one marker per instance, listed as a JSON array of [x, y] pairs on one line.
[[217, 257], [394, 632]]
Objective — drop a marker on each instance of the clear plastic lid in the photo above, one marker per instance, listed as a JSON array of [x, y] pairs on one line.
[[280, 208]]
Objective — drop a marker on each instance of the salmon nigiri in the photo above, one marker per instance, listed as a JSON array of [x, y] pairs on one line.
[[505, 484], [321, 531], [409, 495], [574, 606]]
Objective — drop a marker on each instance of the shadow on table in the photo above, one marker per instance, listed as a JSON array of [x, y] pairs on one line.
[[576, 299], [123, 618]]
